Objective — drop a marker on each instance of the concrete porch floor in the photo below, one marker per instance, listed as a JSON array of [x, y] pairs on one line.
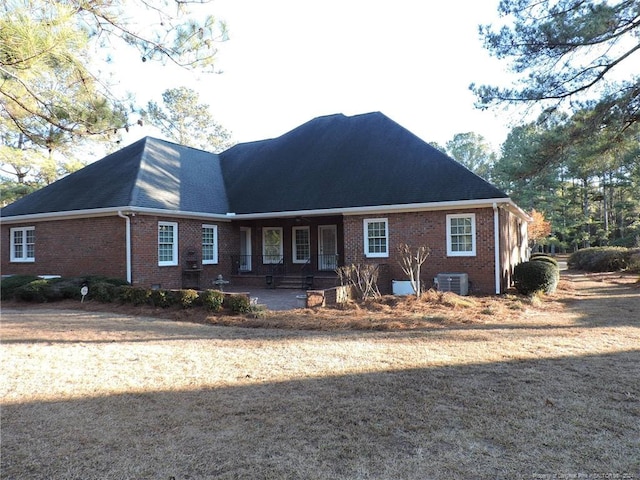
[[271, 298]]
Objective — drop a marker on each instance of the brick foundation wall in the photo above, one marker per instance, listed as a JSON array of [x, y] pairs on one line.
[[426, 228], [89, 246]]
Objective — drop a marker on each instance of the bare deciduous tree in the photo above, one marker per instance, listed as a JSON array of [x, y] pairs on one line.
[[411, 264], [362, 277]]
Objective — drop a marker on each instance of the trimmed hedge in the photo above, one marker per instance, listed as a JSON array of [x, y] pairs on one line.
[[35, 289], [603, 259], [106, 290], [535, 276], [538, 257], [239, 304], [8, 285], [212, 300]]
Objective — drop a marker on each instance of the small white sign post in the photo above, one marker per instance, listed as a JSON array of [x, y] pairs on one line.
[[83, 291]]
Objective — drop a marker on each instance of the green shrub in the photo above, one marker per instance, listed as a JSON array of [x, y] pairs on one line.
[[161, 298], [212, 300], [104, 292], [35, 291], [8, 285], [65, 288], [535, 276], [544, 258], [239, 303], [188, 298], [135, 295], [602, 259]]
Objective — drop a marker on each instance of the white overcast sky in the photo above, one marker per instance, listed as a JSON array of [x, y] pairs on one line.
[[288, 61]]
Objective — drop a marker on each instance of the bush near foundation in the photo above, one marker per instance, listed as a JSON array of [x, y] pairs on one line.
[[535, 276], [212, 300], [35, 289], [603, 259], [541, 257], [135, 295], [8, 285], [239, 304]]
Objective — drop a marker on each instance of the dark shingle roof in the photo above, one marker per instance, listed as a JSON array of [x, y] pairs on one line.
[[327, 163], [149, 173], [339, 162]]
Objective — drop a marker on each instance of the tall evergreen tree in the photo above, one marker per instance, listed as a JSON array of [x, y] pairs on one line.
[[569, 50]]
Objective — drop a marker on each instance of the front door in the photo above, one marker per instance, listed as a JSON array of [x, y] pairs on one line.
[[327, 247]]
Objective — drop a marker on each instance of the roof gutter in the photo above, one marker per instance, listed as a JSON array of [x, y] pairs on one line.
[[127, 244], [227, 217], [106, 212]]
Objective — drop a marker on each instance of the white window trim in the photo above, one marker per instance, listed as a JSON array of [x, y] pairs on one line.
[[24, 258], [174, 262], [294, 246], [450, 252], [214, 260], [264, 254], [366, 223]]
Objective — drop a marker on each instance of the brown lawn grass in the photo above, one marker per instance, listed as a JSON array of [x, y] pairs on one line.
[[478, 387]]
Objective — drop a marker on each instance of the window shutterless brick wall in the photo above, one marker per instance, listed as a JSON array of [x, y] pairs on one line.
[[96, 246], [144, 247], [426, 228], [90, 246]]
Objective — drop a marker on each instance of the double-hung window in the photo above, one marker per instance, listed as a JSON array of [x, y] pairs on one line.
[[376, 237], [461, 235], [23, 244], [167, 244], [301, 245], [209, 244]]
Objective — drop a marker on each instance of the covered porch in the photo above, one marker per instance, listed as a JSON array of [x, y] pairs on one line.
[[298, 252]]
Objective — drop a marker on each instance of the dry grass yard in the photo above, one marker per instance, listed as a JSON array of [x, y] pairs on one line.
[[442, 389]]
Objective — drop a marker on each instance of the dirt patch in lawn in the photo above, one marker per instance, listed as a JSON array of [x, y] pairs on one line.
[[498, 387]]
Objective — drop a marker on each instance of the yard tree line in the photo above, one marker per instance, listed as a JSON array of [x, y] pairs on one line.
[[574, 157], [578, 163]]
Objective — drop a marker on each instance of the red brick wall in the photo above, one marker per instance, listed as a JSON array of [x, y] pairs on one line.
[[427, 228], [144, 247], [90, 246], [96, 246]]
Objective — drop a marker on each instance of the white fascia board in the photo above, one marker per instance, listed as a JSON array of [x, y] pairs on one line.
[[379, 209], [106, 212], [369, 210]]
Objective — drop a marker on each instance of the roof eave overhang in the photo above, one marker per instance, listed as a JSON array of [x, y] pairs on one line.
[[388, 209], [112, 211], [504, 202]]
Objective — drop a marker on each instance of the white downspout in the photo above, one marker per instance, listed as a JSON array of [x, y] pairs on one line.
[[496, 246], [127, 243]]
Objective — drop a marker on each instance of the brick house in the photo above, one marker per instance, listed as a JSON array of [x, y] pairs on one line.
[[334, 191]]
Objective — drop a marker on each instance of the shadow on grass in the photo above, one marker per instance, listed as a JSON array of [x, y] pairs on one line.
[[604, 303], [496, 420]]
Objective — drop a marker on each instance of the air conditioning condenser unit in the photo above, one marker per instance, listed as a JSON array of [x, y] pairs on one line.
[[453, 282]]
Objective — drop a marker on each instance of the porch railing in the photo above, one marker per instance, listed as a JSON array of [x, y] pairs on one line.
[[281, 266]]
